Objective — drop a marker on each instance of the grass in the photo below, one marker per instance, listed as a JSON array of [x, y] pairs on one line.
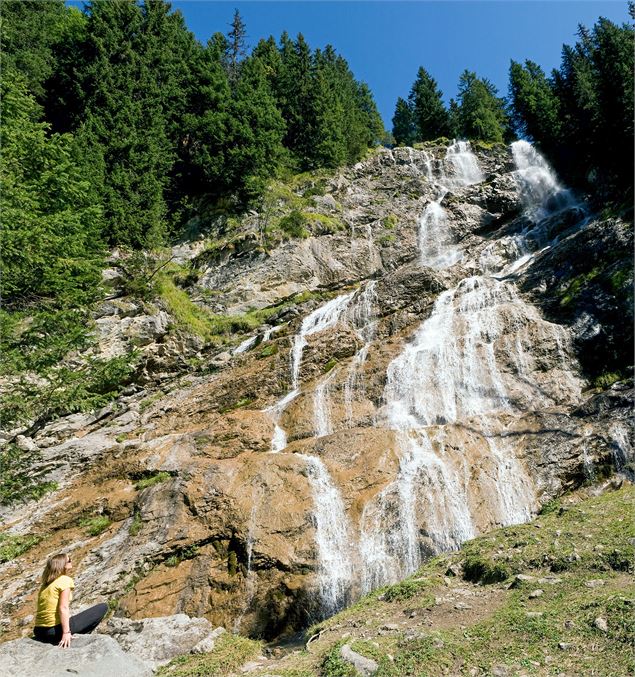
[[135, 525], [230, 652], [96, 525], [151, 480], [199, 321], [571, 545], [14, 546]]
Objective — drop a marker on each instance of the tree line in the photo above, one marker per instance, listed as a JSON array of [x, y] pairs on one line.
[[120, 125], [580, 116]]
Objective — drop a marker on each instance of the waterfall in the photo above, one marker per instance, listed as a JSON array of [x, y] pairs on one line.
[[435, 239], [333, 539], [322, 318], [464, 164], [538, 186], [249, 578], [321, 406]]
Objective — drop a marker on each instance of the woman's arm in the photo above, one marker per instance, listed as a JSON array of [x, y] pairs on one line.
[[62, 606]]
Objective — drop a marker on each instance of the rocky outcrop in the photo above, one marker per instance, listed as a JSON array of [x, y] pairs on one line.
[[90, 655], [197, 516]]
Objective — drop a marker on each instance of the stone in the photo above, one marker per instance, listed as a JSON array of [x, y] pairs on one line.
[[595, 583], [364, 666], [462, 606], [534, 614], [601, 624], [565, 646], [25, 443], [158, 640], [536, 593], [393, 627], [88, 656], [520, 579], [550, 580]]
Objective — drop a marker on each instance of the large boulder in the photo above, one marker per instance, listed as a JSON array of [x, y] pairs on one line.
[[88, 656], [158, 640]]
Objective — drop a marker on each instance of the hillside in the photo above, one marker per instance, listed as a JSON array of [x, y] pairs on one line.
[[380, 364]]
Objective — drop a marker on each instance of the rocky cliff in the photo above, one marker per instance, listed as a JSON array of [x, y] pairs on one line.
[[442, 351]]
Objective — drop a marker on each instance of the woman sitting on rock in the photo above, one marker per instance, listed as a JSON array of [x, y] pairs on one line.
[[53, 624]]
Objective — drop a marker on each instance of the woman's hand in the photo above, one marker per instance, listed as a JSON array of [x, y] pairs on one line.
[[66, 640]]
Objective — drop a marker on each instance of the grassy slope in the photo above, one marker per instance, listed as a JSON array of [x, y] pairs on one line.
[[440, 624]]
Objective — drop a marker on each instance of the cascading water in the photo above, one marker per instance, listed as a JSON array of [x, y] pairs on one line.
[[436, 242], [323, 318], [333, 538], [451, 373], [469, 363]]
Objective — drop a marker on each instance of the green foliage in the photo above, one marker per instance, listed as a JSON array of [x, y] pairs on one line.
[[268, 350], [294, 224], [429, 115], [51, 226], [66, 389], [232, 563], [229, 653], [16, 484], [582, 116], [334, 666], [403, 124], [151, 480], [480, 569], [136, 524], [12, 547], [329, 365], [481, 114], [606, 380], [95, 525]]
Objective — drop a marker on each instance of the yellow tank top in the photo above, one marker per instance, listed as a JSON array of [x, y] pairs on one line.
[[48, 613]]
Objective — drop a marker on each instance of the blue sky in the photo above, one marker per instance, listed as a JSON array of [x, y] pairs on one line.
[[385, 42]]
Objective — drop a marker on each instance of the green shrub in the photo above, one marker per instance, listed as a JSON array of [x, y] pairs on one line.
[[13, 546], [136, 524], [269, 350], [390, 221], [329, 365], [151, 480], [334, 666], [404, 590], [95, 525], [15, 483], [480, 569], [294, 224]]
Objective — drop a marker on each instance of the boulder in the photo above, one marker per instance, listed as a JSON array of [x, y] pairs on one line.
[[158, 640], [88, 656], [364, 666]]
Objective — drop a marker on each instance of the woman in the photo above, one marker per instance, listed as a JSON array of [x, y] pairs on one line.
[[52, 622]]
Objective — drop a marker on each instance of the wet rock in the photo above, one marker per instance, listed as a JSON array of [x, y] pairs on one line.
[[364, 666]]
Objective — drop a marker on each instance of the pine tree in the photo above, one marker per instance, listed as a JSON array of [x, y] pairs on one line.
[[236, 47], [429, 114], [51, 245], [29, 35], [403, 126], [535, 108], [482, 114]]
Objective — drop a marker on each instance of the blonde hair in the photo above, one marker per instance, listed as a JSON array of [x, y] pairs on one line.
[[54, 568]]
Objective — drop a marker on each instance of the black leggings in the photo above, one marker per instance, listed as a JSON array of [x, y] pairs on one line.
[[80, 624]]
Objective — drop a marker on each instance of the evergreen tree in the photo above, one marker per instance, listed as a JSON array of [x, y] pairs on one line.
[[429, 114], [236, 47], [29, 35], [535, 109], [51, 247], [481, 114], [403, 126]]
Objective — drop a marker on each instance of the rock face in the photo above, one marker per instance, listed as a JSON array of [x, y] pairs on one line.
[[431, 384], [88, 656]]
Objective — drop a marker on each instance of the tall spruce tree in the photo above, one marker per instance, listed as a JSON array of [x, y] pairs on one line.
[[236, 47], [429, 114], [481, 113], [535, 109], [50, 239], [403, 126]]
